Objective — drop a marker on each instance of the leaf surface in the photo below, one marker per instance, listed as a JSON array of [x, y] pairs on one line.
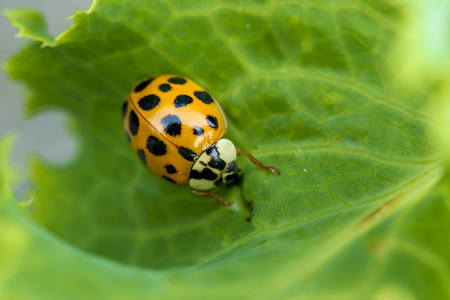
[[307, 87]]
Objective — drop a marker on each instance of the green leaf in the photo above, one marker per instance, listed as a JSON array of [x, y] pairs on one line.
[[310, 88], [31, 24]]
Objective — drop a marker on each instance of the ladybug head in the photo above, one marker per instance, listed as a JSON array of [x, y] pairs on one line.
[[216, 166]]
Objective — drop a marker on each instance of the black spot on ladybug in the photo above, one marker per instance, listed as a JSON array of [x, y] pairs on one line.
[[127, 135], [208, 174], [165, 87], [149, 102], [124, 109], [212, 121], [205, 97], [198, 131], [143, 85], [141, 155], [177, 80], [232, 167], [187, 154], [195, 175], [171, 125], [216, 162], [133, 123], [182, 100], [168, 179], [156, 146], [170, 169]]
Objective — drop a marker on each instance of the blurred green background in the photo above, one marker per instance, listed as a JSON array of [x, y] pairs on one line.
[[45, 133]]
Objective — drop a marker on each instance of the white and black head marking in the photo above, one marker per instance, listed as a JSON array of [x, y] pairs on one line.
[[214, 167]]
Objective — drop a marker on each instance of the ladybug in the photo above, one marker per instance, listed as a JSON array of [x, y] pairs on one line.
[[175, 127]]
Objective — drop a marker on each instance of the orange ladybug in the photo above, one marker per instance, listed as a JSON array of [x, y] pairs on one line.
[[175, 127]]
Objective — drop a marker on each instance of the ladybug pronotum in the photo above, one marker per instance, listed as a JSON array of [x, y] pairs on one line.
[[175, 127]]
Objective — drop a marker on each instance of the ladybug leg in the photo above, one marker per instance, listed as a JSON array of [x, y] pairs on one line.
[[212, 195], [257, 162]]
